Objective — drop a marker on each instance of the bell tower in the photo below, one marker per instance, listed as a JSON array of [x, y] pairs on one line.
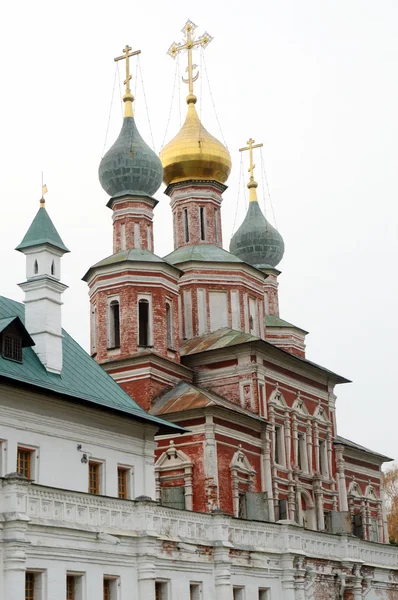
[[134, 292]]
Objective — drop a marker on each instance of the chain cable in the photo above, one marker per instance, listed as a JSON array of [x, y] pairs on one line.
[[239, 188], [145, 101], [212, 100], [268, 189], [171, 104], [120, 88], [110, 112]]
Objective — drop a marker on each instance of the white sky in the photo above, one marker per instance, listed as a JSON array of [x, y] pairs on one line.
[[314, 80]]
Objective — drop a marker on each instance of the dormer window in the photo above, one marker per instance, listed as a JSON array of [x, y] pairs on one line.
[[12, 347]]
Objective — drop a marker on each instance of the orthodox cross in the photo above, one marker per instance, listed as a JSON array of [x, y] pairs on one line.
[[128, 97], [250, 146], [189, 44]]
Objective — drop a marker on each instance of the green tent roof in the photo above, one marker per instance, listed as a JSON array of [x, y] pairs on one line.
[[275, 321], [42, 231], [81, 378]]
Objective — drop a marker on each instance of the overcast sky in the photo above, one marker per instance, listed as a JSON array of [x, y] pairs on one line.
[[314, 80]]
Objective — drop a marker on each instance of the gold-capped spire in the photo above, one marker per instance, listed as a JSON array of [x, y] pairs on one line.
[[252, 185], [128, 97], [189, 44]]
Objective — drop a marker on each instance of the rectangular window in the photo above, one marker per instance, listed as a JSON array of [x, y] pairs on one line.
[[186, 225], [195, 591], [161, 590], [202, 218], [281, 509], [218, 310], [94, 474], [110, 587], [263, 594], [144, 331], [70, 587], [123, 475], [279, 451], [24, 462], [12, 347], [29, 586], [238, 593]]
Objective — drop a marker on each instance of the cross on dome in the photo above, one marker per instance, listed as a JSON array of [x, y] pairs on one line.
[[189, 44], [128, 96], [252, 184]]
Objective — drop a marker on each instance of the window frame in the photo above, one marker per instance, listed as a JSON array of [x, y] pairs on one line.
[[113, 338], [100, 476], [185, 224], [141, 299], [202, 223], [31, 453], [169, 325], [16, 354], [280, 448], [128, 474]]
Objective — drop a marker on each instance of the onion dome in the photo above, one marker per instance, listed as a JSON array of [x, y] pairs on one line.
[[193, 153], [256, 242], [130, 166]]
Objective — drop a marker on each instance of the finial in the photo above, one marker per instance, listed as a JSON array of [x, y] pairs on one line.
[[189, 44], [43, 191], [128, 97], [252, 185]]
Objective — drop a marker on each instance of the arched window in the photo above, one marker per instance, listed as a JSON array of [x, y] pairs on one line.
[[52, 268], [143, 323], [36, 267], [169, 325], [114, 324]]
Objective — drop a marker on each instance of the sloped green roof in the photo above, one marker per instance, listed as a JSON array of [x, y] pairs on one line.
[[131, 255], [201, 253], [275, 321], [81, 378], [42, 231]]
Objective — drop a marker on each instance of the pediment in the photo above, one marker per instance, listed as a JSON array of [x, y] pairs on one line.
[[300, 407], [173, 458], [240, 462]]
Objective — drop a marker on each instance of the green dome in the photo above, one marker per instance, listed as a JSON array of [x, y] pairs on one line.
[[130, 166], [256, 242]]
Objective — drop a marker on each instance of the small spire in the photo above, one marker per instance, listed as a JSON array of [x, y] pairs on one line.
[[189, 44], [128, 97], [252, 185]]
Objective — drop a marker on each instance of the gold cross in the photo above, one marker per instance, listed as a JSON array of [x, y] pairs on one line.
[[250, 146], [189, 44], [128, 96]]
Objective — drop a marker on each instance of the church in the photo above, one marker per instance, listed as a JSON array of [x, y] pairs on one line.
[[195, 454]]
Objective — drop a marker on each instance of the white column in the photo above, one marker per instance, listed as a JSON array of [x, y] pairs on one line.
[[341, 481], [309, 446], [211, 464], [267, 473]]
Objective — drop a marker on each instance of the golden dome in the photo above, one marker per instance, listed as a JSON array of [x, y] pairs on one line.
[[193, 153]]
